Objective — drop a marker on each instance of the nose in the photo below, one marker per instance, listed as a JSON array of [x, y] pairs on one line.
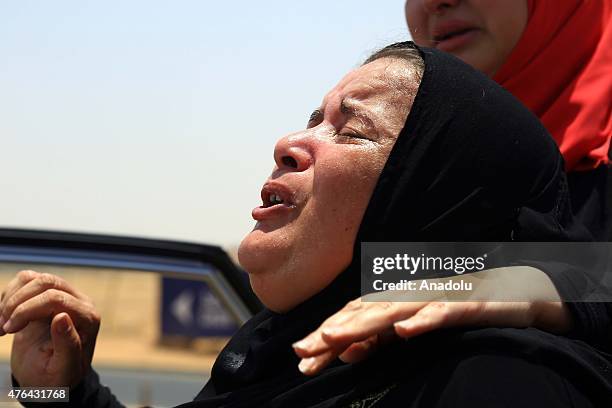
[[438, 6], [291, 153]]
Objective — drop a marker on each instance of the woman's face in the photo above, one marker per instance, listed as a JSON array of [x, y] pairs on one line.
[[480, 32], [324, 176]]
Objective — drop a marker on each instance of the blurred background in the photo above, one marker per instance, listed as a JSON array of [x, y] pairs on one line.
[[158, 119]]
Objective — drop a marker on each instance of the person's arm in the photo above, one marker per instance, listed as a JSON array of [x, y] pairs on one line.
[[504, 297], [592, 321]]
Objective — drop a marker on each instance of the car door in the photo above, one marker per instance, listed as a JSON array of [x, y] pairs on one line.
[[167, 307]]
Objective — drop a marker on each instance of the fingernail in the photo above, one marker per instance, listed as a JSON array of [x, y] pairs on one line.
[[406, 324], [62, 326], [306, 364], [7, 326], [303, 344]]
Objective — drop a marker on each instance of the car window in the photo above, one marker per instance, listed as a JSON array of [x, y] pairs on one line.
[[159, 334]]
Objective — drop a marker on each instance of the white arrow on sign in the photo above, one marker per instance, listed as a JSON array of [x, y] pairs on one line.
[[182, 307]]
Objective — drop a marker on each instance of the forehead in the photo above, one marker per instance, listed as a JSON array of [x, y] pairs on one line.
[[373, 80]]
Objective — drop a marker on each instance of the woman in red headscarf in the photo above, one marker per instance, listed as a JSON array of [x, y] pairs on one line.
[[560, 69], [556, 57]]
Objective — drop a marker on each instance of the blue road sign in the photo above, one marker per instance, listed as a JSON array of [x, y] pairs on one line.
[[190, 308]]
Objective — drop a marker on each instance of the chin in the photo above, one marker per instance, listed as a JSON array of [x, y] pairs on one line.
[[250, 255], [474, 56], [260, 251], [268, 264]]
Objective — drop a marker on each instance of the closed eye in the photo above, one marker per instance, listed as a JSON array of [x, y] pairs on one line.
[[353, 135]]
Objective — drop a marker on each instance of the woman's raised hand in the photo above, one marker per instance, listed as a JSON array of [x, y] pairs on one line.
[[363, 326], [55, 330]]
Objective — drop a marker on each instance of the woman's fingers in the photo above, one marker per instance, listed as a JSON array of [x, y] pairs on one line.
[[35, 284], [315, 343], [20, 279], [438, 315], [352, 333], [312, 365], [360, 328], [360, 351], [372, 318], [355, 352], [355, 323], [45, 306], [67, 348]]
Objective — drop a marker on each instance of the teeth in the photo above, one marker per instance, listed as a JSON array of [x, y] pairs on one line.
[[275, 199]]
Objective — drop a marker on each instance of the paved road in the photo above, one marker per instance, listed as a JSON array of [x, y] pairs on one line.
[[135, 388]]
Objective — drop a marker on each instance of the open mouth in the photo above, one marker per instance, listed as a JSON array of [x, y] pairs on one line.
[[277, 201], [272, 200], [272, 196]]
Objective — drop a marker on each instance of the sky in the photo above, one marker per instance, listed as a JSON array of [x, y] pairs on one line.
[[158, 118]]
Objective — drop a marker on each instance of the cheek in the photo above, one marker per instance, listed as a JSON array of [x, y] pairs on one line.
[[417, 21], [343, 189], [512, 22], [505, 20]]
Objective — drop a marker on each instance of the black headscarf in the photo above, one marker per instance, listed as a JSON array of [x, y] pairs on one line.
[[471, 164]]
